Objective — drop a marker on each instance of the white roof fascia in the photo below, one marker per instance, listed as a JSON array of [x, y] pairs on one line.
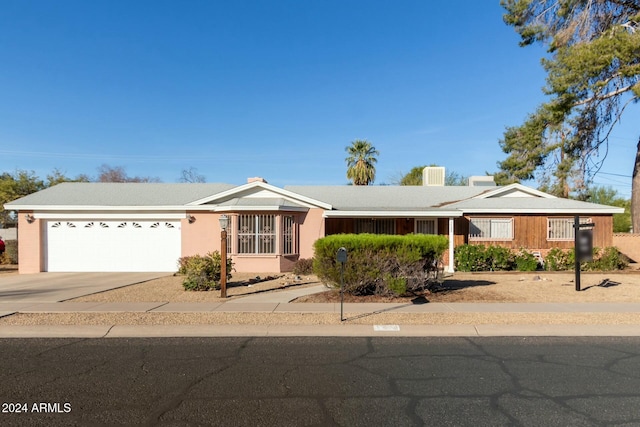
[[291, 196], [393, 214], [109, 215], [257, 208], [567, 211], [72, 208], [516, 186]]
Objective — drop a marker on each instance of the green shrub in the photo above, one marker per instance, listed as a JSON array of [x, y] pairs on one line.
[[495, 258], [607, 259], [484, 258], [10, 255], [377, 264], [397, 285], [470, 258], [525, 261], [500, 258], [202, 273], [303, 266], [559, 260]]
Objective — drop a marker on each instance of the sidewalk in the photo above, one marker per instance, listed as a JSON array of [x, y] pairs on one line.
[[279, 302]]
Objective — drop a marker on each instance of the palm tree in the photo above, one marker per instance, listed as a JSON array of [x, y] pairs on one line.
[[360, 163]]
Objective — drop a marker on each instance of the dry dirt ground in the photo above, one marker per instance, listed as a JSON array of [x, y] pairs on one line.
[[8, 269], [461, 287]]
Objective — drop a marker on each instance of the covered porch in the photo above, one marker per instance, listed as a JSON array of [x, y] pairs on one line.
[[396, 223]]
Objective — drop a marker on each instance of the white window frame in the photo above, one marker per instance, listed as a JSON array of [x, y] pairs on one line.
[[492, 226], [421, 224], [569, 232]]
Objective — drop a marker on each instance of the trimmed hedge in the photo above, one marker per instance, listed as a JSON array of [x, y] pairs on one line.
[[202, 273], [378, 264]]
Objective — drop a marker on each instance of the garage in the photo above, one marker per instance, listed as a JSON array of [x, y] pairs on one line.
[[111, 245]]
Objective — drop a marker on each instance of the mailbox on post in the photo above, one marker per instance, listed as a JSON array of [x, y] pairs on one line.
[[341, 257]]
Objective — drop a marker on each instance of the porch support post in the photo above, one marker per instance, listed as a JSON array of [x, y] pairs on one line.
[[450, 269]]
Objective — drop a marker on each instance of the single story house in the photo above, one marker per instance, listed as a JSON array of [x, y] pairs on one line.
[[148, 226]]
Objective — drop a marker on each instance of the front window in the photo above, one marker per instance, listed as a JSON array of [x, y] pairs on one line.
[[256, 234], [375, 226], [491, 229], [426, 226], [561, 229], [288, 235]]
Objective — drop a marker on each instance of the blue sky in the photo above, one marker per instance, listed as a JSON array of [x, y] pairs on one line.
[[273, 88]]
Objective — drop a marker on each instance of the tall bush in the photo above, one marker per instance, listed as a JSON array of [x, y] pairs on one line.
[[202, 273], [377, 264]]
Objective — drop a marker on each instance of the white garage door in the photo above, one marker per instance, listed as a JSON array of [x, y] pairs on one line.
[[85, 245]]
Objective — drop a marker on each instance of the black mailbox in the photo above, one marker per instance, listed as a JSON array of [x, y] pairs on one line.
[[341, 256]]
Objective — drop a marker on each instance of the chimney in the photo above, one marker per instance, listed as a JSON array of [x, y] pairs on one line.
[[256, 179]]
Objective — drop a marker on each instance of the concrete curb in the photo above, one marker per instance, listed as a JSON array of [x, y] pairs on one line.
[[343, 330]]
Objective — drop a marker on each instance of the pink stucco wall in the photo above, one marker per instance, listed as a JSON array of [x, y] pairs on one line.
[[256, 263], [311, 229], [30, 256], [202, 235]]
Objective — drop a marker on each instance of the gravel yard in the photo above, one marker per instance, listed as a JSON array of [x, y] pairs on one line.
[[169, 289], [461, 287]]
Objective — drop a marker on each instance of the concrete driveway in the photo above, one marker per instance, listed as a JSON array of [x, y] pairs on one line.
[[56, 287]]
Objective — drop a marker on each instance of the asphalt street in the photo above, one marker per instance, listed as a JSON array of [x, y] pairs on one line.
[[247, 381]]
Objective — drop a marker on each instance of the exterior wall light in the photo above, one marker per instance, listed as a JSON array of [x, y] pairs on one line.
[[191, 219], [30, 218]]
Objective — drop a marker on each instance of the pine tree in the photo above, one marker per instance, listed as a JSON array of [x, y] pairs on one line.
[[593, 74]]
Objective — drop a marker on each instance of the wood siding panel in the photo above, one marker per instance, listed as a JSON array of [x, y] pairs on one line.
[[405, 226], [530, 232], [338, 226]]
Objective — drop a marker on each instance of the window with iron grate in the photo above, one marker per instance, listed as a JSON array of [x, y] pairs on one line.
[[256, 234], [561, 229]]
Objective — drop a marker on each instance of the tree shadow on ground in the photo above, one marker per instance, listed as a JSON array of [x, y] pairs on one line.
[[454, 285], [251, 281], [248, 283], [447, 286]]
